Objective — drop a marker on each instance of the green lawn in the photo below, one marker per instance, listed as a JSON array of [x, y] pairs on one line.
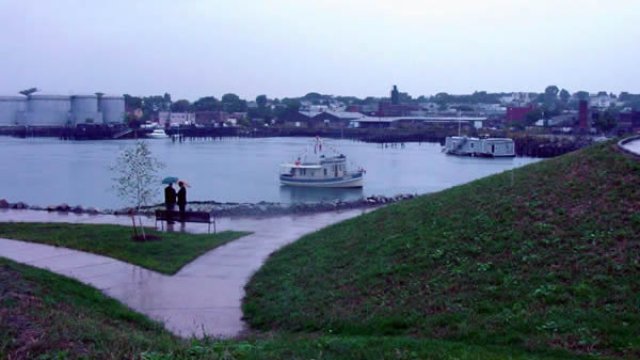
[[167, 255], [47, 316], [550, 261]]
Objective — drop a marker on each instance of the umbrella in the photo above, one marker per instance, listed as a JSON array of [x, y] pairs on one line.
[[169, 180]]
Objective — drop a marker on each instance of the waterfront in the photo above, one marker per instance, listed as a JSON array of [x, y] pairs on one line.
[[47, 171]]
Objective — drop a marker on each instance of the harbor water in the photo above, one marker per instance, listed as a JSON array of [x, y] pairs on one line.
[[47, 171]]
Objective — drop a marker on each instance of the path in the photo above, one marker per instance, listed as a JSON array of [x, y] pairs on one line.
[[631, 145], [204, 297]]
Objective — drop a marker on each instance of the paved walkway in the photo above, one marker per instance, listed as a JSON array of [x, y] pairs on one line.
[[204, 297], [633, 146]]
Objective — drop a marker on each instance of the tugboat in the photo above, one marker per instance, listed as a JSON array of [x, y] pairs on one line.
[[323, 171]]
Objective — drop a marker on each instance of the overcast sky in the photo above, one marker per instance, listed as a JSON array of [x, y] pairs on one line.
[[195, 48]]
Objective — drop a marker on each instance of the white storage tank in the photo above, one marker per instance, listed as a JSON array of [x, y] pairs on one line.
[[84, 109], [11, 109], [112, 108], [48, 110]]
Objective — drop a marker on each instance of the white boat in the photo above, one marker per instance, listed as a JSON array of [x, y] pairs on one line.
[[322, 171], [482, 147], [158, 134]]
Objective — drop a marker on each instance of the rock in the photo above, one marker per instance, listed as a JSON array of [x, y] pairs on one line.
[[77, 209], [63, 207], [92, 211], [4, 204], [19, 205]]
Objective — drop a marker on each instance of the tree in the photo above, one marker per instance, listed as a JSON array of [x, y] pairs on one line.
[[395, 95], [207, 103], [136, 178], [233, 103], [314, 97], [582, 95], [606, 120], [551, 97], [132, 102], [261, 101], [564, 96], [181, 106]]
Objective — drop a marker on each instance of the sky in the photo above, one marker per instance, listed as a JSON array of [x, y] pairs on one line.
[[287, 48]]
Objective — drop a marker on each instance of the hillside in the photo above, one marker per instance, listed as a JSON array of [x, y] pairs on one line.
[[544, 257]]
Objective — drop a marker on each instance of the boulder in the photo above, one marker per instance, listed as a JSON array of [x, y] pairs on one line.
[[4, 204], [63, 207], [19, 205]]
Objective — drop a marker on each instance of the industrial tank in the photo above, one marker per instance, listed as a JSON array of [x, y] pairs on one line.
[[84, 109], [112, 108], [11, 109], [48, 110]]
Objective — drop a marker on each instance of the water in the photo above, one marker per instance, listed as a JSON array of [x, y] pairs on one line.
[[45, 171]]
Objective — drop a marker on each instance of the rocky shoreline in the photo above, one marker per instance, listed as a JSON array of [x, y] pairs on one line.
[[262, 209]]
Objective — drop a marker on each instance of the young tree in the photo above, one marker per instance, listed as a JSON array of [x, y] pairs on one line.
[[136, 180]]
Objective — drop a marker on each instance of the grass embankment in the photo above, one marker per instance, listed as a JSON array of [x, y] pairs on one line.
[[551, 261], [47, 316], [167, 255]]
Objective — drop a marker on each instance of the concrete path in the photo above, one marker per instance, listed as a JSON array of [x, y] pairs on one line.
[[204, 297], [632, 146]]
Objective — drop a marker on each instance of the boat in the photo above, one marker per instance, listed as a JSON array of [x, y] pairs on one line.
[[158, 134], [481, 147], [321, 171]]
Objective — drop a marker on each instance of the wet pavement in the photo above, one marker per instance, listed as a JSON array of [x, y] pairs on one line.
[[204, 297], [633, 146]]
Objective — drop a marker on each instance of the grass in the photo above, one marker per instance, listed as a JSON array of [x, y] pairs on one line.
[[546, 267], [550, 261], [167, 255], [47, 316]]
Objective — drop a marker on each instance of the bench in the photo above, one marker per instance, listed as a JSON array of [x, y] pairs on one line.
[[188, 216]]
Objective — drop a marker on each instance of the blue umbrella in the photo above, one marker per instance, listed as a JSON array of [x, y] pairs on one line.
[[169, 180]]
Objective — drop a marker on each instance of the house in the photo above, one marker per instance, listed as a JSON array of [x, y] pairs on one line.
[[629, 121], [211, 118], [168, 118], [296, 119]]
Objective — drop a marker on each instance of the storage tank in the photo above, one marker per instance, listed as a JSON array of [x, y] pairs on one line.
[[112, 108], [48, 110], [84, 109], [11, 109]]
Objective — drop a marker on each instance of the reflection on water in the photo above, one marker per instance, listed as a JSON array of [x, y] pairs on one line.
[[296, 194]]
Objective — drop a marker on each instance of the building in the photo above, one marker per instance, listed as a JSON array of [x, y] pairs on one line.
[[518, 113], [168, 118], [629, 121], [418, 121], [50, 110], [11, 108]]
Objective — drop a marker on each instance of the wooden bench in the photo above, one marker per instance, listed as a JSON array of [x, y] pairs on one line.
[[188, 216]]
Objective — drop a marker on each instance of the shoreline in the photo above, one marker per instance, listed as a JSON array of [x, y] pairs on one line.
[[228, 209]]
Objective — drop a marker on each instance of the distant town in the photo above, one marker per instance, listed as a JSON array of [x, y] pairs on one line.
[[398, 116]]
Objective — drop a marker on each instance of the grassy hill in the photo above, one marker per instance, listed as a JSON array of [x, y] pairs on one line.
[[47, 316], [545, 257]]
